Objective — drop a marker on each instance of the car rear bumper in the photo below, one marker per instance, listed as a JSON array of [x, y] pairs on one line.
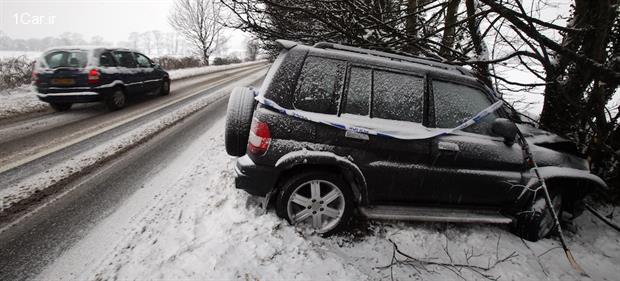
[[255, 179], [71, 94], [72, 97]]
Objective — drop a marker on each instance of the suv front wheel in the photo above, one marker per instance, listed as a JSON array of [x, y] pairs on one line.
[[316, 200], [536, 222]]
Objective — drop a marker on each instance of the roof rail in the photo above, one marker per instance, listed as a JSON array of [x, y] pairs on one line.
[[409, 58], [286, 44]]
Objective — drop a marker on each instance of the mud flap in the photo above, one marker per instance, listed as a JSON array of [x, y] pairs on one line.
[[265, 201]]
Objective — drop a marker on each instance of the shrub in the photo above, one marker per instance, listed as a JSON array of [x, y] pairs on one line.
[[170, 63], [15, 72]]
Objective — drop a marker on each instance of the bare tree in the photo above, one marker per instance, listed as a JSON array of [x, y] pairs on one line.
[[252, 49], [199, 21]]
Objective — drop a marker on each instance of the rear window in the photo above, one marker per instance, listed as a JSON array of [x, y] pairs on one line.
[[106, 59], [57, 59], [320, 85], [125, 59], [398, 96]]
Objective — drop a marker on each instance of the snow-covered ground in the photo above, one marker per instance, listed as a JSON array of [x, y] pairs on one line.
[[23, 100], [202, 228]]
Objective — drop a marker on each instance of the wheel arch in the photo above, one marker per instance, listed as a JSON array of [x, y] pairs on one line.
[[573, 184], [298, 161]]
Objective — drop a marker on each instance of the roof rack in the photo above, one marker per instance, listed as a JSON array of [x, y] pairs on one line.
[[409, 58]]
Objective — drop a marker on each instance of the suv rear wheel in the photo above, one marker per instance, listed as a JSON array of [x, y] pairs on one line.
[[316, 200], [61, 106], [116, 100], [537, 221]]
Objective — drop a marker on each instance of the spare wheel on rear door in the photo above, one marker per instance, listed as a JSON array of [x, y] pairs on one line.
[[238, 120]]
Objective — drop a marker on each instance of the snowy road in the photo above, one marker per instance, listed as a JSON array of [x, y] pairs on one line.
[[167, 210]]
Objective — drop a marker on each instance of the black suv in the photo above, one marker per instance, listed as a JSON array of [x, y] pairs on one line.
[[340, 128], [66, 75]]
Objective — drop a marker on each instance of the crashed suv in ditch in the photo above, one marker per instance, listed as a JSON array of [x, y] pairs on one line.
[[335, 130]]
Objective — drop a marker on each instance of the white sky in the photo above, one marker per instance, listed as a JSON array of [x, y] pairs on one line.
[[111, 19]]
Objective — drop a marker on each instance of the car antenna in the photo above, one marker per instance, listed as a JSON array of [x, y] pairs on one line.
[[530, 160]]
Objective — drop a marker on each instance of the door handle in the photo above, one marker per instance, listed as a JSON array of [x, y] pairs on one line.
[[448, 146], [355, 135]]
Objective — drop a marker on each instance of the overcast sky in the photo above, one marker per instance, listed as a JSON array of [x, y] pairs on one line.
[[111, 19]]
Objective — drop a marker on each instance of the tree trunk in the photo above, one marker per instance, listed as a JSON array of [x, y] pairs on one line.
[[447, 41], [473, 26], [411, 26]]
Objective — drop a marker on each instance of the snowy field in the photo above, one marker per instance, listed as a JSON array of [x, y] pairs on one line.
[[13, 54], [201, 228]]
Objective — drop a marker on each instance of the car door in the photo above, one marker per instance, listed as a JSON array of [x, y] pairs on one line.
[[130, 74], [472, 166], [151, 80]]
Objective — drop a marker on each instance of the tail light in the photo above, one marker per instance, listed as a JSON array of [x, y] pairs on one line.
[[35, 76], [260, 137], [93, 76]]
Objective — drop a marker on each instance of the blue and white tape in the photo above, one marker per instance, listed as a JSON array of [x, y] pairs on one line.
[[374, 126]]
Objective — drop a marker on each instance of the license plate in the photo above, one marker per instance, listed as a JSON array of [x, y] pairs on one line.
[[63, 81]]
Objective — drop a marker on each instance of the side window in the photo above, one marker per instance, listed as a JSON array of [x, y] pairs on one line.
[[319, 86], [125, 59], [398, 96], [142, 60], [106, 60], [455, 104], [358, 94]]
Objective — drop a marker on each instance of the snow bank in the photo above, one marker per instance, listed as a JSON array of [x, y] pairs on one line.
[[28, 187], [20, 101], [205, 229]]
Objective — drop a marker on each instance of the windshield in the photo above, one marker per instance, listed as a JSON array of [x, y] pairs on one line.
[[66, 59]]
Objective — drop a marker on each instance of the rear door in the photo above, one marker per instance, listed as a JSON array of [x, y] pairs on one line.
[[151, 78], [396, 168], [472, 166], [129, 72]]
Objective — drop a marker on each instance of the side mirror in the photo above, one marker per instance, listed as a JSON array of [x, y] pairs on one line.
[[506, 129]]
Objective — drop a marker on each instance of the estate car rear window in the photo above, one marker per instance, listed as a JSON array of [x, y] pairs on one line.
[[320, 85], [398, 96], [76, 59], [125, 59], [107, 60], [455, 104]]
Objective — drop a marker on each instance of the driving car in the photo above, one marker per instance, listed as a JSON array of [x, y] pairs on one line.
[[336, 129], [63, 76]]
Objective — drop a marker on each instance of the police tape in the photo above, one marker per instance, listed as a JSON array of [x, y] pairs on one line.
[[365, 125]]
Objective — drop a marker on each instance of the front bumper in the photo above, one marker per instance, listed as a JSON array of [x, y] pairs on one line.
[[255, 179]]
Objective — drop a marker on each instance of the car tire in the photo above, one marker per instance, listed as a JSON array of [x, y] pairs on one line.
[[536, 222], [239, 113], [60, 106], [116, 100], [327, 212], [164, 88]]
